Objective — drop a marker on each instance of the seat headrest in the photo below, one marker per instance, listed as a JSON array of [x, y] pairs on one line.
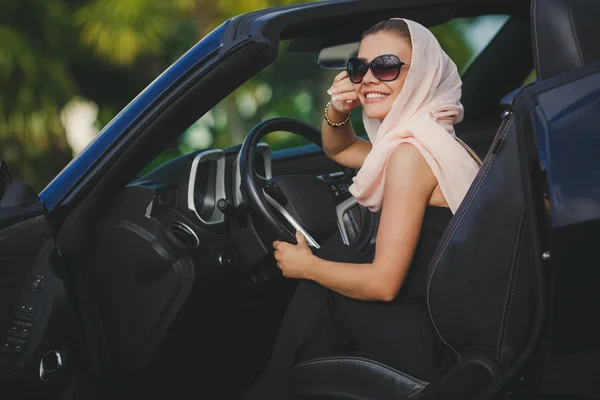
[[565, 35]]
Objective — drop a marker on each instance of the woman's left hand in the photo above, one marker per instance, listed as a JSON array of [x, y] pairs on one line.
[[294, 260]]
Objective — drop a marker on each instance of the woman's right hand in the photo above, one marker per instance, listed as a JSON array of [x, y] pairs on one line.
[[343, 95]]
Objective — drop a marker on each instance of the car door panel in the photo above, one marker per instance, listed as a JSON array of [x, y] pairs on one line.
[[558, 130], [36, 319]]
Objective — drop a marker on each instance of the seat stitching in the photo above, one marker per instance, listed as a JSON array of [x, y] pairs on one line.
[[510, 277], [501, 137], [575, 34], [509, 286], [513, 288], [511, 298], [404, 377], [537, 45], [464, 211], [472, 196]]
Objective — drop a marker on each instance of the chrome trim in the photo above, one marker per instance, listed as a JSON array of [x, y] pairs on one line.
[[186, 229], [332, 175], [45, 374], [211, 155], [309, 240], [262, 149], [266, 152], [148, 213], [340, 210]]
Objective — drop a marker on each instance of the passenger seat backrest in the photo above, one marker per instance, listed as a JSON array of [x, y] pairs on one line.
[[565, 35], [481, 281]]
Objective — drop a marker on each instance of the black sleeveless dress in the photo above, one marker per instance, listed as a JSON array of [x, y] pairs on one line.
[[320, 322]]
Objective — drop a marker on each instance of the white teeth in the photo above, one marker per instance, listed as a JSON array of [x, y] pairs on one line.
[[376, 96]]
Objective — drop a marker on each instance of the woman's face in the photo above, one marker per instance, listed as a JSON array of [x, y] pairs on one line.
[[370, 47]]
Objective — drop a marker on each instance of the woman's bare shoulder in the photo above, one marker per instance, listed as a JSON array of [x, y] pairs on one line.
[[407, 157], [407, 168]]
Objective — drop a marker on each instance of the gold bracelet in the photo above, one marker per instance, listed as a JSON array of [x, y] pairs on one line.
[[335, 124]]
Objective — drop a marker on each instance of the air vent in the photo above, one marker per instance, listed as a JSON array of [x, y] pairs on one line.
[[183, 236]]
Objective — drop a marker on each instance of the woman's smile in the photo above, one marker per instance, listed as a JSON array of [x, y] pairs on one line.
[[374, 96]]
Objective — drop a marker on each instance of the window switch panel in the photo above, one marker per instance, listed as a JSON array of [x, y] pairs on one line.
[[12, 342], [20, 326], [28, 308]]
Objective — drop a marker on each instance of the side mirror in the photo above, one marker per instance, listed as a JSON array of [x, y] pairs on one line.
[[336, 57], [5, 178]]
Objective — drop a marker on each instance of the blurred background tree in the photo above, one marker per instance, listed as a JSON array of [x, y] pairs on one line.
[[67, 67]]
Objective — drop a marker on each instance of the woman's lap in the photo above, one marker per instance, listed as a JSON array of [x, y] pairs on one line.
[[397, 333], [320, 322]]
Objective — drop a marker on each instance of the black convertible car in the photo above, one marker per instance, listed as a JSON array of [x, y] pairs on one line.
[[132, 278]]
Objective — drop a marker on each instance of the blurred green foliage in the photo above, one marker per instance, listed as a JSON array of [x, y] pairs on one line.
[[107, 51]]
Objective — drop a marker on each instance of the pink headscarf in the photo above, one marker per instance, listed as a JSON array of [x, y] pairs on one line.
[[423, 114]]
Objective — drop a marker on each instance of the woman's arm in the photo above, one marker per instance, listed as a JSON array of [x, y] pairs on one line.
[[341, 144], [409, 184]]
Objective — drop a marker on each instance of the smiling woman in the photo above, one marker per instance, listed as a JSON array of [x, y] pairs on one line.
[[417, 174]]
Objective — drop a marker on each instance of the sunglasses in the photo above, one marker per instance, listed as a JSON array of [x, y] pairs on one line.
[[386, 68]]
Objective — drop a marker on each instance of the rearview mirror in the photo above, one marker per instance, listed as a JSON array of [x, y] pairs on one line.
[[336, 57], [5, 178]]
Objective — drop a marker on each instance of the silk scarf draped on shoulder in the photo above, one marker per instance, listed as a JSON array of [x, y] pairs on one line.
[[423, 114]]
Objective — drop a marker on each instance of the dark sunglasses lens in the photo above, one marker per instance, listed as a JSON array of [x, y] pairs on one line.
[[356, 70], [386, 68], [386, 72]]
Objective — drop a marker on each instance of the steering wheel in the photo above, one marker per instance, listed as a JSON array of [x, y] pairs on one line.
[[261, 194], [305, 202]]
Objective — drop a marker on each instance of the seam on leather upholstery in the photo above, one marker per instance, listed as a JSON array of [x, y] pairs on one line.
[[402, 376], [514, 285], [538, 66], [575, 34], [463, 213], [510, 287]]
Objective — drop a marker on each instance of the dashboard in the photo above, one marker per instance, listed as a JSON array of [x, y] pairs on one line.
[[183, 196]]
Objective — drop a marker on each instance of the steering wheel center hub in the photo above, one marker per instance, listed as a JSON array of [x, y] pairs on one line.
[[311, 202]]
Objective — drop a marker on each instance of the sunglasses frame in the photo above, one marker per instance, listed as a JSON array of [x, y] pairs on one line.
[[369, 65]]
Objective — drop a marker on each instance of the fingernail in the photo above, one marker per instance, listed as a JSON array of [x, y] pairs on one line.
[[329, 92]]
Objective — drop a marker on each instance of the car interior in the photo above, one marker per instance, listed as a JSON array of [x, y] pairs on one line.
[[192, 276], [179, 292]]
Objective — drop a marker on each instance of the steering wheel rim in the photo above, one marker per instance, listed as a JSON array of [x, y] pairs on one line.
[[250, 182]]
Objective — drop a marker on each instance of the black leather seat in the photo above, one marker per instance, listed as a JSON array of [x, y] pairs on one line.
[[481, 283], [480, 295], [565, 35]]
